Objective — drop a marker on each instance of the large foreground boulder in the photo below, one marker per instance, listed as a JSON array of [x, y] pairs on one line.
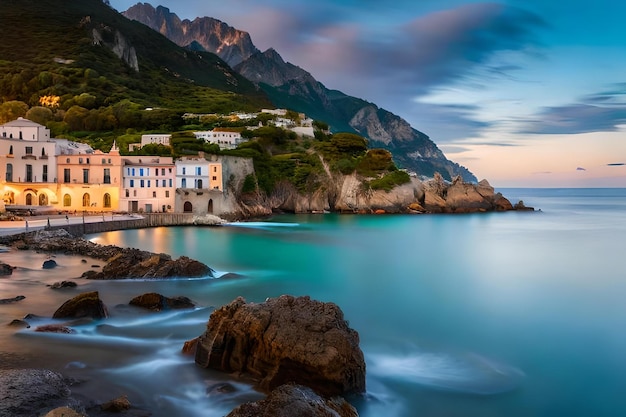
[[295, 400], [86, 304], [33, 392], [284, 340]]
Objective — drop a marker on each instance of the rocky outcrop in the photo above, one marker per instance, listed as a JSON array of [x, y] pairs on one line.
[[5, 269], [33, 392], [122, 263], [157, 302], [284, 340], [87, 304], [295, 400]]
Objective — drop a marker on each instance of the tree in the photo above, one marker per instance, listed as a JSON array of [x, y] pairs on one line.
[[41, 115], [11, 110]]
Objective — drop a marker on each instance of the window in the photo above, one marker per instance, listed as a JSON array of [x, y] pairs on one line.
[[86, 200], [9, 174], [141, 183], [107, 200], [198, 171], [127, 171], [134, 193], [104, 161], [214, 169], [164, 184], [43, 199], [29, 199], [85, 176], [66, 175], [127, 192], [80, 160], [132, 183], [184, 170], [10, 148], [44, 177], [29, 173], [87, 160], [214, 178], [67, 200], [167, 193], [170, 182], [153, 194], [183, 183], [148, 183], [156, 172], [107, 175], [198, 183], [67, 160], [109, 160], [141, 172], [163, 171], [133, 171], [29, 150]]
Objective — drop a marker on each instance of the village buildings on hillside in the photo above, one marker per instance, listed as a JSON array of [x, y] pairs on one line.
[[38, 172]]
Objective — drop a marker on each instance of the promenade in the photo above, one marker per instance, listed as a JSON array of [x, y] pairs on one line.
[[79, 224]]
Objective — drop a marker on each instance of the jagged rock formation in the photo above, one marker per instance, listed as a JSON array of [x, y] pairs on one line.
[[157, 302], [295, 400], [122, 263], [203, 33], [283, 340], [119, 45]]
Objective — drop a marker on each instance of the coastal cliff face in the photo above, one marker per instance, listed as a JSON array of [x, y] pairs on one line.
[[350, 194]]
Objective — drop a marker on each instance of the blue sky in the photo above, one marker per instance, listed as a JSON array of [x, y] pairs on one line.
[[523, 93]]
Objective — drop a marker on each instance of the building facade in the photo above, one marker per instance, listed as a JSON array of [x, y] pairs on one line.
[[148, 184]]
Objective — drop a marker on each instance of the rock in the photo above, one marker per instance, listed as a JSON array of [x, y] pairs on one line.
[[19, 323], [282, 340], [63, 284], [522, 207], [12, 300], [221, 388], [5, 269], [117, 405], [189, 348], [64, 412], [33, 392], [295, 400], [54, 328], [49, 264], [122, 263], [158, 302], [83, 305]]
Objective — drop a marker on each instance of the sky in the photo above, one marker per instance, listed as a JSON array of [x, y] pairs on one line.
[[524, 93]]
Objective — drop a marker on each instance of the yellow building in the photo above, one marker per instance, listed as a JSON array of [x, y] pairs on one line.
[[89, 182]]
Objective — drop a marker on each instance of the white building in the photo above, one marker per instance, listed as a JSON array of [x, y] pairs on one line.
[[148, 184], [152, 138], [224, 139], [199, 184]]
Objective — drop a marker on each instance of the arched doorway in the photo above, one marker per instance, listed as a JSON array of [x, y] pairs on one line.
[[67, 200], [210, 206], [29, 199], [107, 200], [187, 207], [86, 200], [43, 199]]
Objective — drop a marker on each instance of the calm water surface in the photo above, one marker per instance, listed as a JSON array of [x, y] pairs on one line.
[[503, 314]]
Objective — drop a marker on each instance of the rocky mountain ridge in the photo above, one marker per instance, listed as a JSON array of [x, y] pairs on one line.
[[290, 86]]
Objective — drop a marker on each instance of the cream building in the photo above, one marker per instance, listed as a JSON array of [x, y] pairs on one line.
[[199, 184], [224, 139], [148, 184]]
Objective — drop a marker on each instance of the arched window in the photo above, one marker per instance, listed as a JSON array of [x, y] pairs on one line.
[[29, 199], [43, 199], [199, 184], [107, 200], [210, 206], [187, 208], [67, 200], [86, 200], [9, 174]]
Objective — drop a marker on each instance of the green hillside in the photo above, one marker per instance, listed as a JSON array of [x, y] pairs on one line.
[[64, 49]]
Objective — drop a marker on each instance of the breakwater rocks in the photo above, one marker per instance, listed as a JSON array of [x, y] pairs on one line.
[[285, 340], [121, 263]]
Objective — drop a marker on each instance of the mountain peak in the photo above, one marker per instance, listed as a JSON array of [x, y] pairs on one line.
[[230, 44]]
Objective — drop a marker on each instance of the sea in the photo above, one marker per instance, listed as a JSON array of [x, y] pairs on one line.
[[516, 314]]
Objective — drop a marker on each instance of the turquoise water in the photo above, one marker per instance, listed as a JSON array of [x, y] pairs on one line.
[[502, 314]]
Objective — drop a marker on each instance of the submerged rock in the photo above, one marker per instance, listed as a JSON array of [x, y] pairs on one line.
[[83, 305], [49, 264], [12, 300], [283, 340], [5, 269], [63, 284], [158, 302], [295, 400], [54, 328]]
